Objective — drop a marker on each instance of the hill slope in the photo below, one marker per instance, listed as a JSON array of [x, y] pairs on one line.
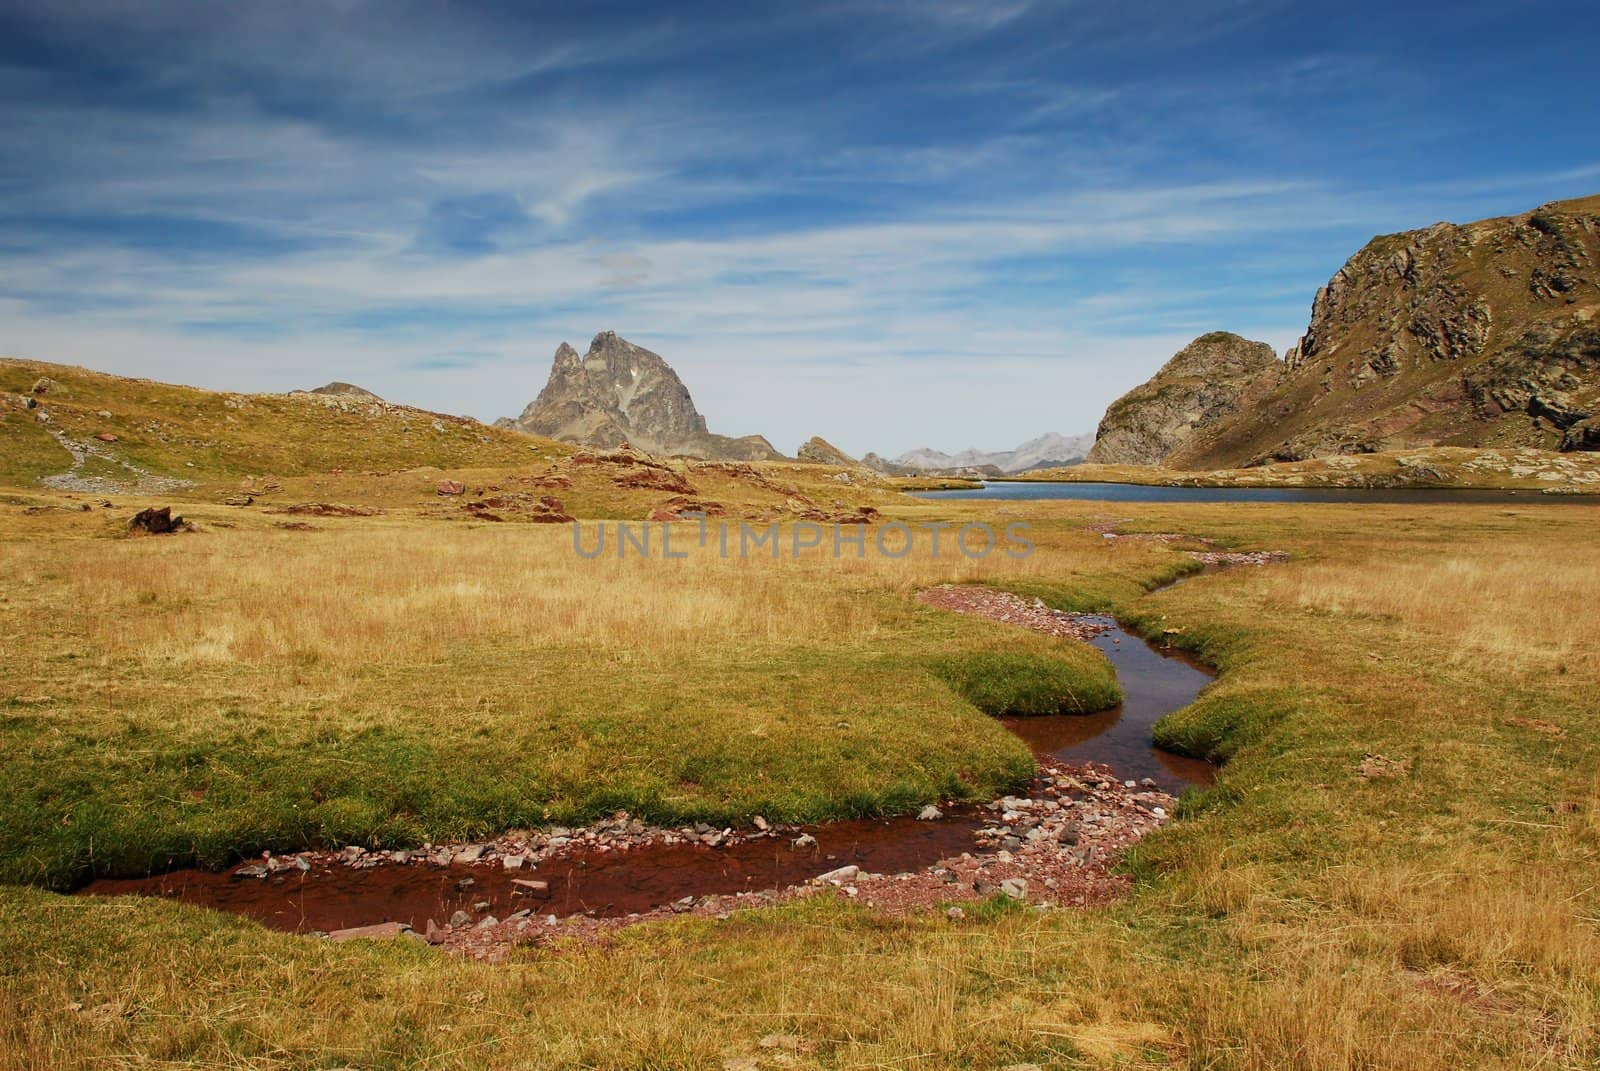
[[1483, 334], [74, 429]]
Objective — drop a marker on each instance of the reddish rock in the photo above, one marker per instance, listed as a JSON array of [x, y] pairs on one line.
[[683, 504], [655, 479], [549, 511], [662, 516], [328, 509], [106, 437], [452, 487]]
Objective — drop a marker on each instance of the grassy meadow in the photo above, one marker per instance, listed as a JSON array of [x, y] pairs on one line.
[[389, 679]]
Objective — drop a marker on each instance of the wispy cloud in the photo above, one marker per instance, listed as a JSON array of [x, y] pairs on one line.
[[855, 221]]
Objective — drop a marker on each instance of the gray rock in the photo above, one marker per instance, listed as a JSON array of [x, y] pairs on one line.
[[930, 813], [1016, 888], [1203, 383], [841, 875], [460, 918]]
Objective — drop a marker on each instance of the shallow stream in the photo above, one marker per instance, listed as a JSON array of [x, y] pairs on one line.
[[617, 883]]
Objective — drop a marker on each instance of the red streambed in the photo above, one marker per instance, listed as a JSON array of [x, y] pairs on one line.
[[609, 884], [604, 884]]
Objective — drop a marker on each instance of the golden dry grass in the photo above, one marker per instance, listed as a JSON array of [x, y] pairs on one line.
[[1301, 915]]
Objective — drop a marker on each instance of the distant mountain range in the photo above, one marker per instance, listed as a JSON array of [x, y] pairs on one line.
[[1050, 450]]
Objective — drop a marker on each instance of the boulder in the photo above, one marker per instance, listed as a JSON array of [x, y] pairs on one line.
[[452, 487], [157, 521]]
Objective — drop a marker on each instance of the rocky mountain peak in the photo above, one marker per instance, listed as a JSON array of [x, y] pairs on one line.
[[618, 392]]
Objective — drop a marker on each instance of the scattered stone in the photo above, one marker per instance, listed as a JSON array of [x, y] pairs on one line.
[[156, 521], [805, 840], [1011, 609], [377, 931], [452, 487], [930, 813], [1015, 888], [1376, 767], [460, 918], [954, 913], [487, 921], [44, 385], [328, 509], [106, 437], [837, 877]]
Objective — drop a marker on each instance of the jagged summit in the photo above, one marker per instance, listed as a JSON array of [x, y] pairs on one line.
[[618, 392]]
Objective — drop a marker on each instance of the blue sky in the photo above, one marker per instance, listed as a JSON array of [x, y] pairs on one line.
[[893, 224]]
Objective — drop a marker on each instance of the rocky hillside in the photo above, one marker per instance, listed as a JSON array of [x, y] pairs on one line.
[[1203, 383], [1046, 451], [1482, 334], [621, 393], [819, 451]]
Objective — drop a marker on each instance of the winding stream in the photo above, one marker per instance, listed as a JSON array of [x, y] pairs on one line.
[[612, 884]]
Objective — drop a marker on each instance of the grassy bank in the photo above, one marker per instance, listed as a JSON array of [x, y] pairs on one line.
[[385, 682], [1319, 908], [1467, 468]]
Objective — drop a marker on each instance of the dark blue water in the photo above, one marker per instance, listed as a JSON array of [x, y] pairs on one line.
[[1129, 492]]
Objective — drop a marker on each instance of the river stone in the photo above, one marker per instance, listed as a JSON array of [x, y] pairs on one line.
[[930, 813], [839, 876]]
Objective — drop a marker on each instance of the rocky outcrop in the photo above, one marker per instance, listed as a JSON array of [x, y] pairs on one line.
[[819, 451], [621, 393], [1482, 334], [1203, 383], [338, 389]]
